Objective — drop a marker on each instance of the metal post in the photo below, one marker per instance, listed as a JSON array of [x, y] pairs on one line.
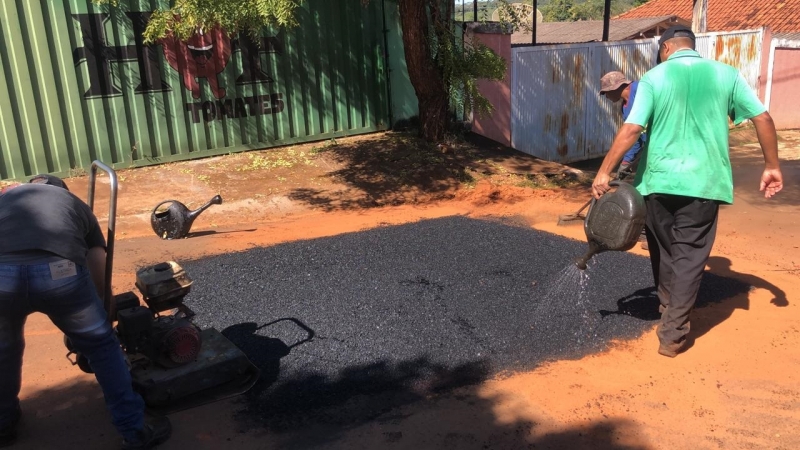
[[387, 61], [699, 16], [108, 298], [475, 10], [606, 20], [533, 19]]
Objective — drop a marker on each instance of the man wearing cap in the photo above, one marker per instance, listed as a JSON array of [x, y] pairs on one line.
[[615, 87], [685, 171], [52, 260]]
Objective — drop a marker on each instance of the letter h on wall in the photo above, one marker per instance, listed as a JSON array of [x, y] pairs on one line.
[[99, 56]]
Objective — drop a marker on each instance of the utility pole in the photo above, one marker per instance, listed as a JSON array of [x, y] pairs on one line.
[[699, 16], [606, 20]]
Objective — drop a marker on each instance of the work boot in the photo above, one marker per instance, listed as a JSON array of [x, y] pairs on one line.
[[643, 240], [671, 350], [8, 435], [155, 432]]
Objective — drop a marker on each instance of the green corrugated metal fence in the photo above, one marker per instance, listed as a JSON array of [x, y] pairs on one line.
[[78, 84]]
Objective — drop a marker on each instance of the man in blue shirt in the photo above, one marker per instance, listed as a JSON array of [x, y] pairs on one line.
[[615, 87]]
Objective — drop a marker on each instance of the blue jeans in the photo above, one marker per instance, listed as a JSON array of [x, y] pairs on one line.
[[75, 308]]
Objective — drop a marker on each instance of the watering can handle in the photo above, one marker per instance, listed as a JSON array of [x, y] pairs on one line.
[[165, 201], [613, 183]]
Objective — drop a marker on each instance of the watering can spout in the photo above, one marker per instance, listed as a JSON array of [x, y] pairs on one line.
[[191, 215], [582, 260]]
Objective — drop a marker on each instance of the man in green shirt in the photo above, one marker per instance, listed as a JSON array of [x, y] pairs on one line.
[[685, 170]]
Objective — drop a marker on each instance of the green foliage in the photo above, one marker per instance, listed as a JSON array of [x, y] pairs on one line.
[[185, 16], [462, 68], [593, 9], [466, 11], [589, 10], [553, 10], [517, 19], [558, 11], [461, 62]]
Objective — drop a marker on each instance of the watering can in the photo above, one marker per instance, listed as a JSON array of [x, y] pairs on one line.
[[614, 222], [176, 220]]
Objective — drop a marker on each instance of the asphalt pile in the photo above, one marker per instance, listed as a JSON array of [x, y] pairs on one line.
[[346, 328]]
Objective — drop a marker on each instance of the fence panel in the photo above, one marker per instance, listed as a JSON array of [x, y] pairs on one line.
[[548, 100], [557, 113], [603, 118]]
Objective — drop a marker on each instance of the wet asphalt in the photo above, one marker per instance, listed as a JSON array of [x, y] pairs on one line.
[[346, 328]]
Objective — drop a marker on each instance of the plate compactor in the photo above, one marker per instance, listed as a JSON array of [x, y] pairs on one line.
[[174, 364]]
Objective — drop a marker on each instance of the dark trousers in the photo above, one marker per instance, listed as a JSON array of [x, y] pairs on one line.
[[680, 233]]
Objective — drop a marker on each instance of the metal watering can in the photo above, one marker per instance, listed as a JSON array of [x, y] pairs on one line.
[[176, 220], [614, 222]]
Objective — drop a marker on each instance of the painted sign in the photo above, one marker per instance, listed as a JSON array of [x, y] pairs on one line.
[[80, 84], [201, 58]]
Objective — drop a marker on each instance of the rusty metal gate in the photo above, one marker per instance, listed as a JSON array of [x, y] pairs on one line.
[[557, 113], [79, 84]]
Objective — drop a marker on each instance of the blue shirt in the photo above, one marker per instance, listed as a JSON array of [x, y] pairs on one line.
[[630, 155]]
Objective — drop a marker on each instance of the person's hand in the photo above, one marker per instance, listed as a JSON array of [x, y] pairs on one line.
[[771, 182], [600, 185]]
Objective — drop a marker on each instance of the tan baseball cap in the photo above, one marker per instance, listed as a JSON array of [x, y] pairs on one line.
[[612, 81]]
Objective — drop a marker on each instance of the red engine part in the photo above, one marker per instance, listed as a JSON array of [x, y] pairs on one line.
[[179, 341], [181, 345]]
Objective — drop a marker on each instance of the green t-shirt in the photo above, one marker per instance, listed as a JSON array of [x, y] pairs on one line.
[[685, 103]]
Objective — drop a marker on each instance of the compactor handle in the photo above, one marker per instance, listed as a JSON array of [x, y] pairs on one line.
[[108, 297]]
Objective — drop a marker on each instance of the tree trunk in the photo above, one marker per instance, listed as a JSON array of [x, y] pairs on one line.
[[424, 75]]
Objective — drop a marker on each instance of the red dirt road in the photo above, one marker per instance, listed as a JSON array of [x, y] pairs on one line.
[[738, 387]]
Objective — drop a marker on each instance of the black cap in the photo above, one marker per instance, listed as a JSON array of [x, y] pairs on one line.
[[52, 180], [673, 32]]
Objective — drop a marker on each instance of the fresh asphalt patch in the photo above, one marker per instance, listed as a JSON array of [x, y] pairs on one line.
[[346, 328]]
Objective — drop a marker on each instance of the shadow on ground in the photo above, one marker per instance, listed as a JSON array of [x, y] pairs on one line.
[[72, 415], [406, 314], [722, 291], [400, 169], [428, 408], [714, 290]]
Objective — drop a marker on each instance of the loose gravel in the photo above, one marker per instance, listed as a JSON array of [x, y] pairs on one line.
[[349, 327]]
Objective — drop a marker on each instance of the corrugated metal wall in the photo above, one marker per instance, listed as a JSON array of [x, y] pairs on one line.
[[556, 112], [78, 84]]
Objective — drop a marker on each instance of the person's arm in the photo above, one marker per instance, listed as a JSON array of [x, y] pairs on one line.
[[96, 262], [625, 138], [771, 178]]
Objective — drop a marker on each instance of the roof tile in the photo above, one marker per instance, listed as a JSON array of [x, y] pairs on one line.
[[782, 16]]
